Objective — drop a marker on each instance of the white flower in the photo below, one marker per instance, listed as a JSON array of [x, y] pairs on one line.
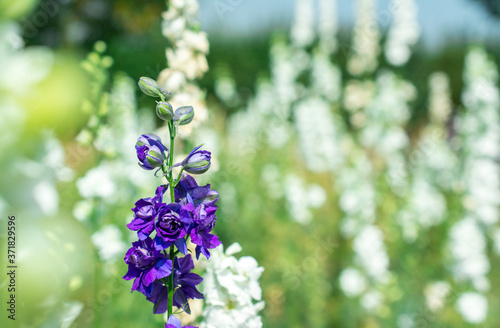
[[435, 295], [370, 252], [365, 40], [473, 307], [318, 131], [404, 32], [109, 243], [230, 287], [302, 32], [97, 182], [352, 282]]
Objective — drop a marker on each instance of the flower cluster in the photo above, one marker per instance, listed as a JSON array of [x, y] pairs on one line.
[[234, 296], [186, 57], [158, 262]]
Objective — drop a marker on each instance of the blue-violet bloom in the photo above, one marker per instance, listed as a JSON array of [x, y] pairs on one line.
[[145, 265], [171, 227], [188, 191], [197, 162], [202, 224], [150, 151], [145, 211]]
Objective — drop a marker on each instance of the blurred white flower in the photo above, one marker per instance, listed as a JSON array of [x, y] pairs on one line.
[[97, 182], [328, 25], [302, 32], [301, 198], [468, 248], [318, 131], [436, 294], [352, 282], [366, 39], [404, 32], [371, 253], [473, 307], [108, 241], [372, 300], [47, 197]]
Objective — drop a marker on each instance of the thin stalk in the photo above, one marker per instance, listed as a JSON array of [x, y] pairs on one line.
[[170, 178], [171, 285]]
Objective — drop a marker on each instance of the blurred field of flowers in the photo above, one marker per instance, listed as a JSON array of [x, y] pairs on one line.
[[359, 172]]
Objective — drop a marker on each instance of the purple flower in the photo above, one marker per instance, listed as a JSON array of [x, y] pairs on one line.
[[145, 211], [173, 322], [145, 265], [150, 151], [185, 281], [197, 162], [184, 284], [188, 191], [171, 227], [203, 222]]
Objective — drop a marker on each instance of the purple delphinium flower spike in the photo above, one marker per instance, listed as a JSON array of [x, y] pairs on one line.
[[145, 265], [188, 191], [145, 211], [173, 322], [202, 224], [150, 151], [171, 227]]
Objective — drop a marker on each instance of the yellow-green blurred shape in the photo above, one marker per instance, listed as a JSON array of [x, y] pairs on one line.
[[55, 102], [14, 9], [55, 265]]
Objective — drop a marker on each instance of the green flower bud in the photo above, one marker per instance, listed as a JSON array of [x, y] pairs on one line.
[[151, 87], [184, 115], [164, 111]]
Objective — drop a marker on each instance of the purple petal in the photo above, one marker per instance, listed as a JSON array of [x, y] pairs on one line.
[[181, 245], [163, 268], [174, 321]]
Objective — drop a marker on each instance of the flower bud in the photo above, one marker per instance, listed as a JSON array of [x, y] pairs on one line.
[[197, 162], [150, 151], [184, 115], [151, 87], [164, 111]]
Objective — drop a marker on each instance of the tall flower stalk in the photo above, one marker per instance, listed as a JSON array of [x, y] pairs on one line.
[[159, 261]]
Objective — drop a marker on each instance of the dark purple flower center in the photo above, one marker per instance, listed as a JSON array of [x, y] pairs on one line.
[[170, 222]]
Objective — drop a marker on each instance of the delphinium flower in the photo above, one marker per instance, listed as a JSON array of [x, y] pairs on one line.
[[233, 295], [433, 166], [186, 58], [404, 32], [479, 136], [179, 211], [365, 40], [383, 130], [302, 32], [328, 25]]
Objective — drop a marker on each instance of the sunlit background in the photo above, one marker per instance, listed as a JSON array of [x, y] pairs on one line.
[[356, 149]]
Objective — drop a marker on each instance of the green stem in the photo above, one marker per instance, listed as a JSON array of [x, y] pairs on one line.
[[171, 285], [170, 178], [171, 160]]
